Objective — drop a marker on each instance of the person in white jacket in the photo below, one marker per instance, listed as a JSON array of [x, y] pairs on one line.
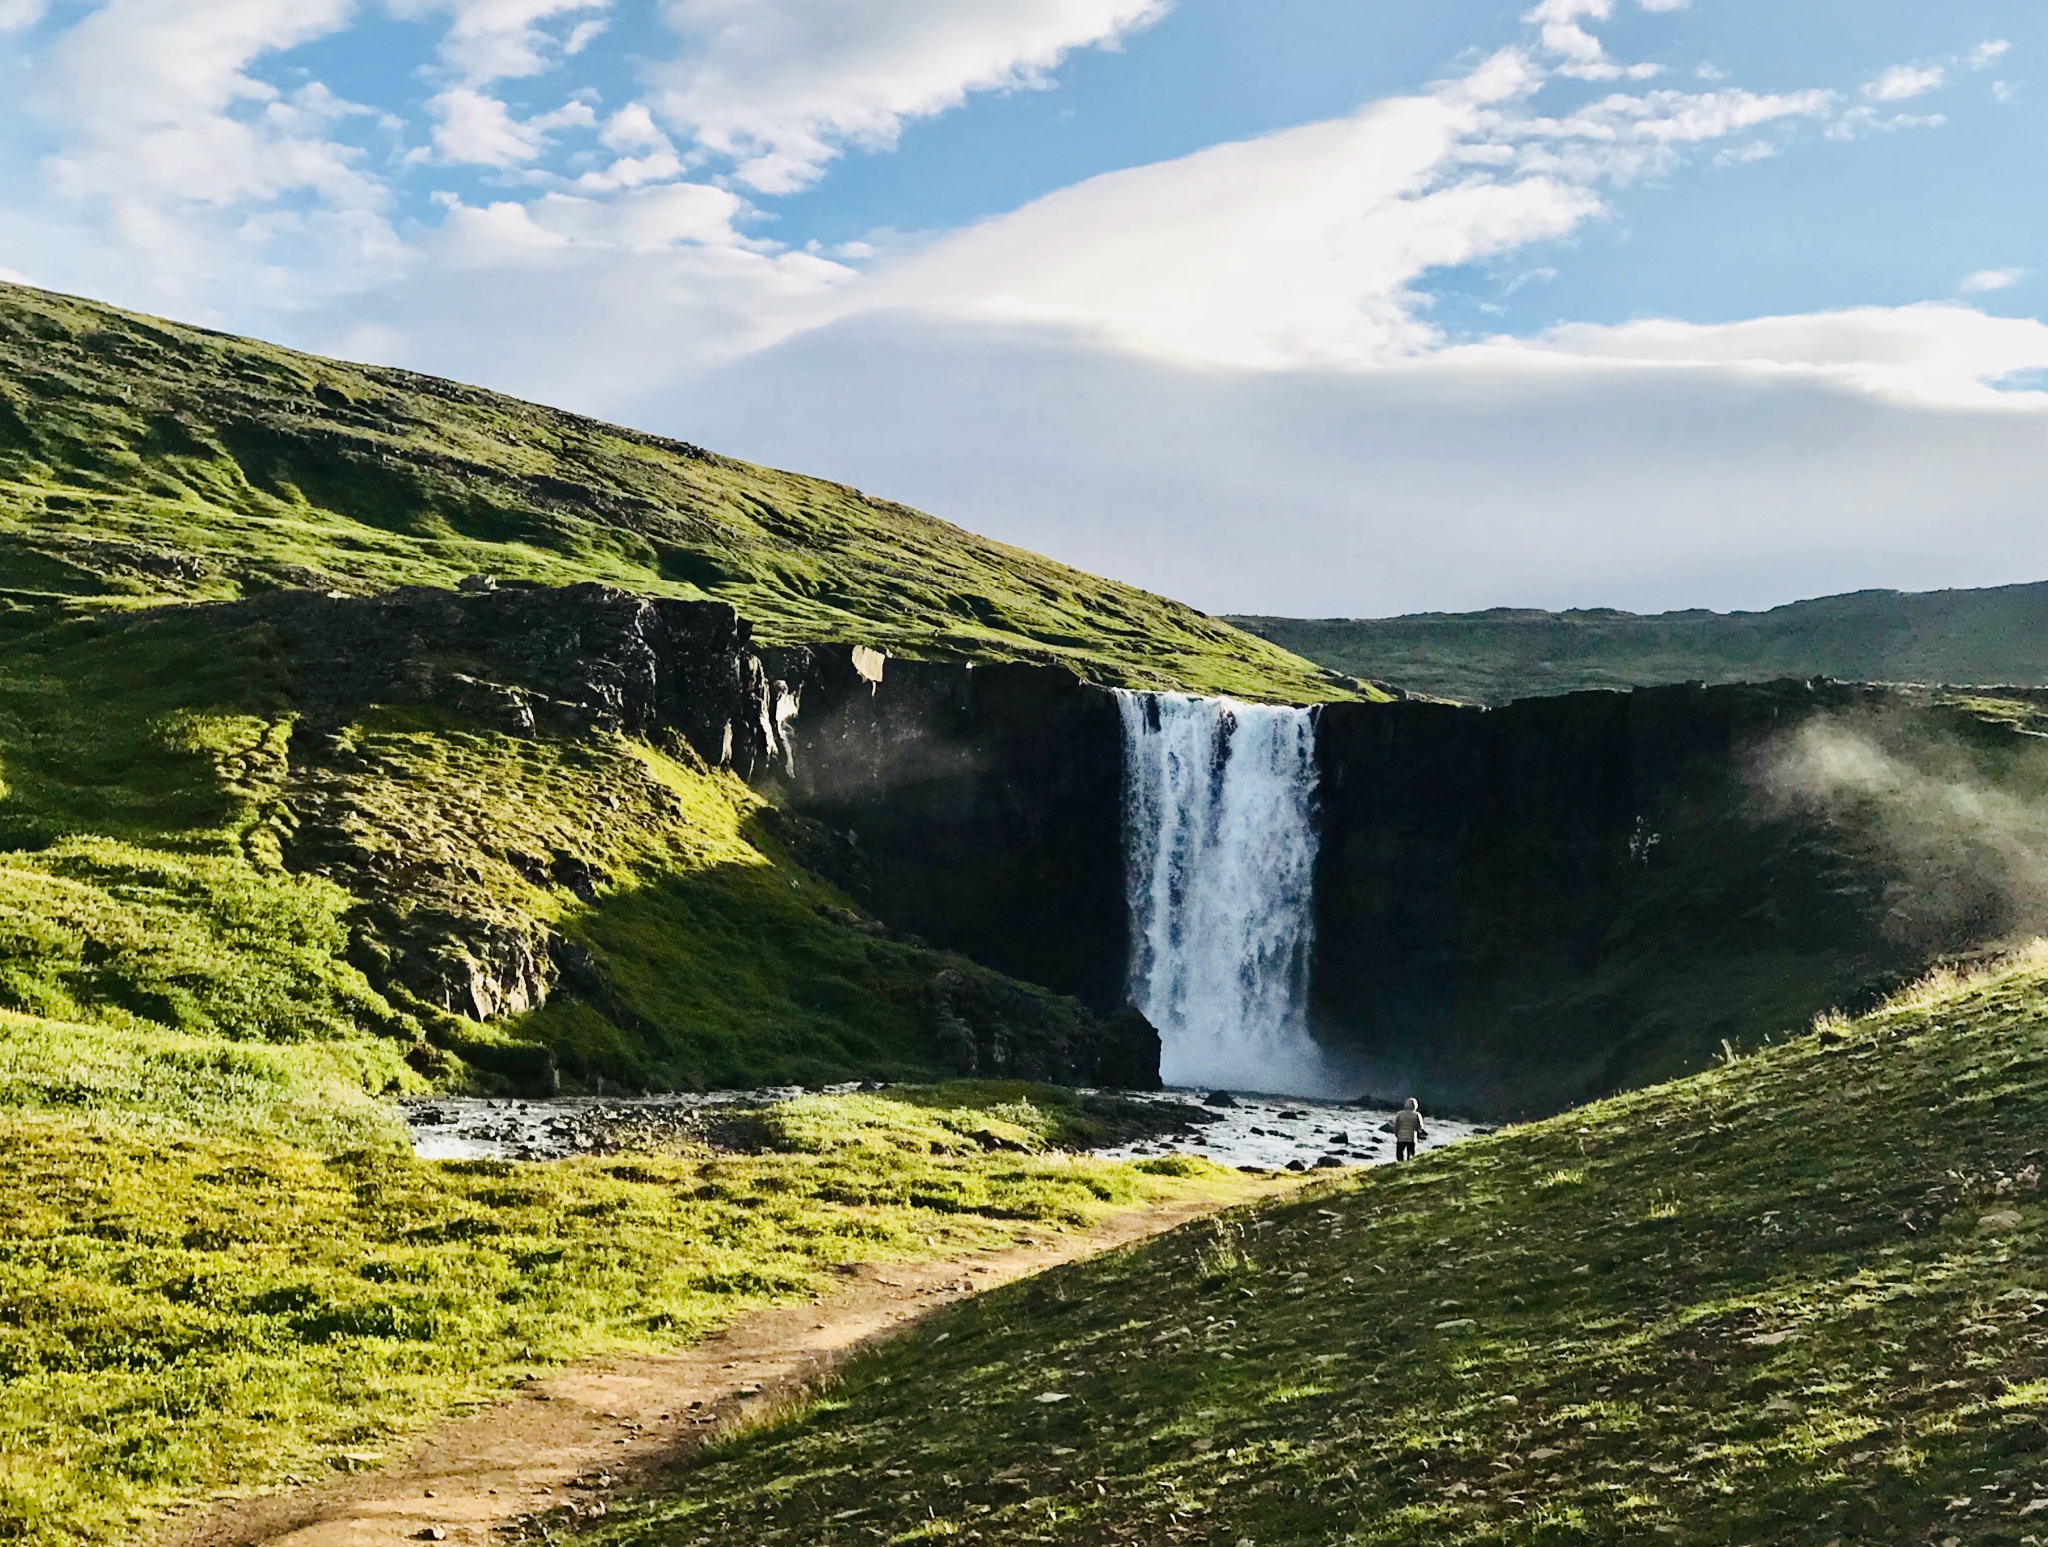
[[1408, 1130]]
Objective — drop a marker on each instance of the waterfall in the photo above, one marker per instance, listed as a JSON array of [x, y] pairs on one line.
[[1219, 853]]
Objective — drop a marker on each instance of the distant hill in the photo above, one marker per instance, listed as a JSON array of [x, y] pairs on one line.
[[1996, 635], [143, 460]]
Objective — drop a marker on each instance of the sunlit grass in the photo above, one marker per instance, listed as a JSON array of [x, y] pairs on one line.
[[186, 1309], [1796, 1299]]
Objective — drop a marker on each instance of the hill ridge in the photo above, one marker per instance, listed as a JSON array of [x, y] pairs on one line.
[[1952, 636], [142, 460]]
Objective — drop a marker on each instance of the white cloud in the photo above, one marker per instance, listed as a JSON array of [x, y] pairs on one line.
[[1582, 55], [782, 85], [477, 129], [1305, 247], [1985, 55], [1903, 82], [1622, 138], [176, 170], [664, 217], [1745, 155], [492, 40], [632, 127], [1299, 248], [1562, 34], [589, 303], [648, 219], [1934, 354], [1861, 120], [17, 14], [646, 154], [158, 101], [1985, 281]]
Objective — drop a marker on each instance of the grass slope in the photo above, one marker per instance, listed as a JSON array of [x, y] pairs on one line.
[[190, 1302], [1799, 1299], [141, 887], [179, 856], [1993, 635], [141, 459]]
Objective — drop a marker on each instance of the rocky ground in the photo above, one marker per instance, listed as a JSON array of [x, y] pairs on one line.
[[1254, 1133]]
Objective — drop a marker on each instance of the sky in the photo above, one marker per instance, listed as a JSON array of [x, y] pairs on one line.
[[1313, 307]]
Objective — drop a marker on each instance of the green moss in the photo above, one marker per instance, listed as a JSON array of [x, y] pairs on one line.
[[142, 887], [144, 460], [1797, 1299]]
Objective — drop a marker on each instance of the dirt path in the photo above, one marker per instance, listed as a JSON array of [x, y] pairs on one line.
[[566, 1442]]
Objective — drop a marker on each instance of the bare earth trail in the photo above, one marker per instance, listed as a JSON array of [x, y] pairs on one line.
[[568, 1441]]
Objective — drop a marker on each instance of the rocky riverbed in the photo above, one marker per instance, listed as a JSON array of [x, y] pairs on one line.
[[1269, 1133], [1274, 1133]]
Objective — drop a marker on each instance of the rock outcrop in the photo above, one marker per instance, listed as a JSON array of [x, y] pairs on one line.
[[583, 657], [525, 661]]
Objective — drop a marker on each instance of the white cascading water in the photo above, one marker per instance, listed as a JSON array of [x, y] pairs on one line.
[[1220, 850]]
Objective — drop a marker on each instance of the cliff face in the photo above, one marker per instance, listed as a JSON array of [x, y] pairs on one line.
[[527, 663], [978, 807], [569, 659], [1525, 906], [1515, 908]]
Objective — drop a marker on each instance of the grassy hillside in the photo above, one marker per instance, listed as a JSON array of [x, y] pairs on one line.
[[144, 460], [1997, 635], [182, 856], [202, 1292], [1798, 1299]]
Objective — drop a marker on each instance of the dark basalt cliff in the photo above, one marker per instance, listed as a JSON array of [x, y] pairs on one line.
[[976, 806], [1520, 907], [1515, 908], [523, 659]]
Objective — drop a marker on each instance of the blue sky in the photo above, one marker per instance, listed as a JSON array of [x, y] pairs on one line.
[[1327, 306]]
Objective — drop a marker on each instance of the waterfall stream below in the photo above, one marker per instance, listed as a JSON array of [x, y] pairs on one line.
[[1219, 851]]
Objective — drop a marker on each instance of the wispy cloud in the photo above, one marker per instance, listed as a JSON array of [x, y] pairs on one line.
[[493, 40], [781, 87], [1310, 247], [1932, 353], [1985, 281], [1903, 82]]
